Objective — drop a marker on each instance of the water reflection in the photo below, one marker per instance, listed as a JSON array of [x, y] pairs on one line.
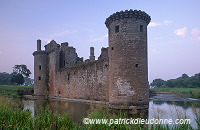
[[157, 109], [174, 110], [74, 109]]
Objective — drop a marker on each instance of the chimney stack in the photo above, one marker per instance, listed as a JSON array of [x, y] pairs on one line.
[[92, 57], [38, 45]]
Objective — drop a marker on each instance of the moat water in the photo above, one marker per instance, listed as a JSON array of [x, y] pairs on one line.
[[163, 106]]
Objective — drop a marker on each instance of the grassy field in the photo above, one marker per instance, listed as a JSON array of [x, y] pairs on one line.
[[185, 92], [11, 91]]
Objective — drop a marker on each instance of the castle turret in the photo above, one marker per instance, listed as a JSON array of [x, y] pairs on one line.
[[127, 52], [40, 70]]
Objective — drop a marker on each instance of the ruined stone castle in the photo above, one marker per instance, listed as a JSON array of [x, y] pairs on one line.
[[119, 76]]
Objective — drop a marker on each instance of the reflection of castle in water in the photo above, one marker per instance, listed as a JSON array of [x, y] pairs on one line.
[[77, 110]]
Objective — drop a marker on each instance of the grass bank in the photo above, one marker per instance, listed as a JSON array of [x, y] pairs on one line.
[[11, 91], [12, 117], [185, 92]]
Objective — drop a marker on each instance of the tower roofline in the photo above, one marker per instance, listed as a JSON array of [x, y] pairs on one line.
[[39, 53], [138, 14]]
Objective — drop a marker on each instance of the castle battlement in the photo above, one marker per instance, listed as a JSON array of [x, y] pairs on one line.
[[137, 14]]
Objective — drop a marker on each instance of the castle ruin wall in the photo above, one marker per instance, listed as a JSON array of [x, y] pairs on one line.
[[84, 81]]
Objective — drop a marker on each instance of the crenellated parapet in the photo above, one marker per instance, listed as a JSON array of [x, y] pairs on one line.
[[137, 14]]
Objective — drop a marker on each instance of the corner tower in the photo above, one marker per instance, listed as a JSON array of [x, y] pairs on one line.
[[128, 66], [40, 70]]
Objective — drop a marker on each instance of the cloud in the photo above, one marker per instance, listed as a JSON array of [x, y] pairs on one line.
[[196, 33], [95, 39], [157, 38], [61, 33], [153, 51], [105, 36], [153, 24], [90, 30], [167, 22], [181, 32], [48, 38]]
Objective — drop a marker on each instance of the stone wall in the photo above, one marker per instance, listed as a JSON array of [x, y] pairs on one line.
[[84, 81], [52, 68]]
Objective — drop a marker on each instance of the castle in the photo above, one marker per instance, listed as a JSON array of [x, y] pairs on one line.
[[119, 76]]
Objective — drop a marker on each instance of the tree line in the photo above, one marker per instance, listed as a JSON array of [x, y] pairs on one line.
[[183, 81], [19, 76]]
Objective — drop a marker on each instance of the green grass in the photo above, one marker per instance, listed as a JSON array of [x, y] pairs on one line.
[[185, 92], [11, 91], [12, 117]]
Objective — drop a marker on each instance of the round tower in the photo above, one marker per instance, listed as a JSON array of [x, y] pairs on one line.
[[40, 70], [128, 63]]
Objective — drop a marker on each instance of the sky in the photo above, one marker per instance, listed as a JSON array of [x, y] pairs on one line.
[[173, 33]]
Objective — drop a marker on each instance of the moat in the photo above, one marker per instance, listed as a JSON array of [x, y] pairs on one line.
[[164, 106]]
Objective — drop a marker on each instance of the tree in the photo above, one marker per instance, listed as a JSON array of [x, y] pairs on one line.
[[184, 76], [157, 83], [28, 82], [5, 78], [18, 79], [169, 83], [21, 69], [19, 73], [183, 81]]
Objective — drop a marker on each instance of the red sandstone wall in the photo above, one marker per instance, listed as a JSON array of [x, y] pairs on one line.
[[84, 81], [53, 65]]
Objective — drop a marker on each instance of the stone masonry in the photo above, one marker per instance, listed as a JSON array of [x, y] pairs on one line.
[[119, 76]]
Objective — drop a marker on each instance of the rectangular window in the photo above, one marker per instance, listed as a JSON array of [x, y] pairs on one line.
[[64, 63], [40, 67], [141, 28], [39, 78], [68, 76], [117, 29]]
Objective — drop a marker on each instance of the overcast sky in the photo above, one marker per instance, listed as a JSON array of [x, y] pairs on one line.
[[173, 34]]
